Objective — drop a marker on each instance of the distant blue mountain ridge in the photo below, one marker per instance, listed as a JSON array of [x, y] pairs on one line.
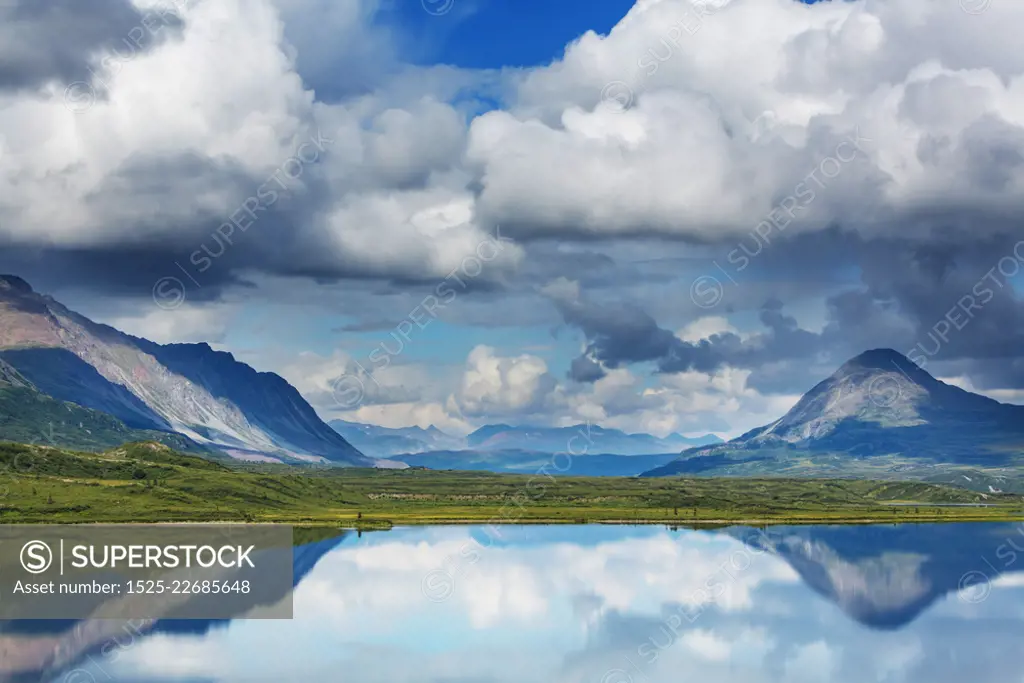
[[581, 439]]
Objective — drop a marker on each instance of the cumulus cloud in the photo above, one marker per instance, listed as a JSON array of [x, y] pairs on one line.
[[154, 161], [184, 325], [928, 115], [495, 386]]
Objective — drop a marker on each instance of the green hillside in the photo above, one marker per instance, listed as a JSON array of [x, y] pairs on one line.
[[28, 416]]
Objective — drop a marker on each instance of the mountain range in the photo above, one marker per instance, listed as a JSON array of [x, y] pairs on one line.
[[502, 438], [69, 381], [878, 415], [530, 462], [579, 439], [88, 378], [595, 451], [385, 442]]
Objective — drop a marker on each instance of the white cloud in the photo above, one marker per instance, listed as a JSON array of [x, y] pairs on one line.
[[704, 328], [722, 121], [165, 149], [1015, 396], [812, 662], [937, 92], [691, 403], [445, 416], [688, 157], [187, 324], [493, 385]]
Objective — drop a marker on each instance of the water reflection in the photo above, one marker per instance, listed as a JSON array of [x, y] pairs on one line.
[[599, 604]]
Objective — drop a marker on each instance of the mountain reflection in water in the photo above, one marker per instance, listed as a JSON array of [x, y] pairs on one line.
[[606, 604]]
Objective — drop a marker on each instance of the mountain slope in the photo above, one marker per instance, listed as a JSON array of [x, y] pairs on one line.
[[187, 389], [268, 402], [30, 416], [878, 414]]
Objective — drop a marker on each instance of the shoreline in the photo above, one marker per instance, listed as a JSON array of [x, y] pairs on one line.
[[404, 520]]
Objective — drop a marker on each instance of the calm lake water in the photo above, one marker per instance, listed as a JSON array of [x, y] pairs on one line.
[[600, 604]]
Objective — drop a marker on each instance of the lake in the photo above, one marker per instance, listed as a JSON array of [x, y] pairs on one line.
[[594, 604]]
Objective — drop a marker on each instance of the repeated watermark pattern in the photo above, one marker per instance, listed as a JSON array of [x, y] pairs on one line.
[[620, 95], [80, 96], [437, 8], [964, 311], [883, 391], [975, 6], [20, 464], [976, 585], [169, 292], [707, 291], [439, 583], [349, 389], [674, 626], [108, 653]]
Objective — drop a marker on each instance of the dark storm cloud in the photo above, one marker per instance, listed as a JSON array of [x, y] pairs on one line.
[[45, 40], [584, 369], [618, 333], [958, 302], [950, 305]]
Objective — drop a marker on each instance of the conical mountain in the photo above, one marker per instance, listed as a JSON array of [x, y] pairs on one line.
[[878, 414], [885, 576]]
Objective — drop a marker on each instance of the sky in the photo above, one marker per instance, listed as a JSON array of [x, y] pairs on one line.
[[661, 216]]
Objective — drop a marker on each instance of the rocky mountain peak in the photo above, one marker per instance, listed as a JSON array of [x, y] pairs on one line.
[[880, 386], [13, 283], [878, 359], [884, 361]]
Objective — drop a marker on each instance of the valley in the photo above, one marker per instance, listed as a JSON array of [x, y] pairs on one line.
[[235, 443], [149, 482]]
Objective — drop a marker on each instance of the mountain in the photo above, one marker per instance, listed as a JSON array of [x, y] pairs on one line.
[[384, 442], [885, 576], [879, 415], [578, 439], [186, 389], [502, 448], [29, 416]]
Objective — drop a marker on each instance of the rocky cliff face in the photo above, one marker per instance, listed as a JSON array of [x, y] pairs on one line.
[[189, 389]]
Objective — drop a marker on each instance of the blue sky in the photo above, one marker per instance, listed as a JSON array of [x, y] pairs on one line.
[[491, 34]]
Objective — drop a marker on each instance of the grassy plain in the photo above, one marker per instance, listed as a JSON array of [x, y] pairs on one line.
[[148, 482]]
